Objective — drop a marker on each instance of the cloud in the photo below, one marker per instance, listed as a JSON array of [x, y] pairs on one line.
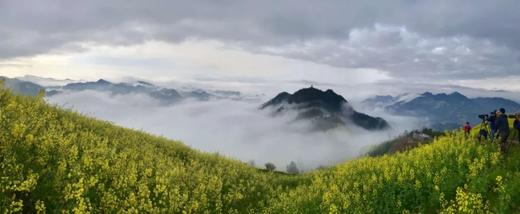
[[122, 22], [406, 54], [414, 40], [508, 83], [204, 63], [235, 129]]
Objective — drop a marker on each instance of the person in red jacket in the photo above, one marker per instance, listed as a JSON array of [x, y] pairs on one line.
[[467, 129]]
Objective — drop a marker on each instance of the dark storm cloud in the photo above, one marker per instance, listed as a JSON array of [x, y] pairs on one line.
[[346, 28]]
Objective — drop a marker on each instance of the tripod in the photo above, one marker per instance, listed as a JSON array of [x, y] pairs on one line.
[[484, 130]]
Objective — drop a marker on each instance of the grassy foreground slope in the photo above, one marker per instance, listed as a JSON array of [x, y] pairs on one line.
[[53, 160]]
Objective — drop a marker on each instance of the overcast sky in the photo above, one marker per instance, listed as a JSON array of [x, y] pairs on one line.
[[260, 44]]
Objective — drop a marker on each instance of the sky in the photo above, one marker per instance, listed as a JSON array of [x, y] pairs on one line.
[[267, 45]]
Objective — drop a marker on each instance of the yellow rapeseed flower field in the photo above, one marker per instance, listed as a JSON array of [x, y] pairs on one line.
[[54, 160]]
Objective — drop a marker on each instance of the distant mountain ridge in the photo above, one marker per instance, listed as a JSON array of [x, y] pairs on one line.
[[444, 111], [22, 87], [166, 96], [44, 81], [326, 109]]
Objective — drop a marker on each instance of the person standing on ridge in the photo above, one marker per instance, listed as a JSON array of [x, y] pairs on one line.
[[503, 129], [516, 125], [467, 129], [492, 120]]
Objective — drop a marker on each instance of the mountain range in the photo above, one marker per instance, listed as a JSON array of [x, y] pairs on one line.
[[326, 109], [164, 95], [442, 111]]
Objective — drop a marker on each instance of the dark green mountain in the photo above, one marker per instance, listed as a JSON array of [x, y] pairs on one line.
[[326, 109]]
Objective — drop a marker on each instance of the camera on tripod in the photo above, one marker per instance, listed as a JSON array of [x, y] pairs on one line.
[[484, 129], [483, 116]]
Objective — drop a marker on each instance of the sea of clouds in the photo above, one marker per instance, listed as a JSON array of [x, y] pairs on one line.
[[234, 128]]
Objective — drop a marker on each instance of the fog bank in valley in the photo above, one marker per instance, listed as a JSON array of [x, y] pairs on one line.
[[233, 128]]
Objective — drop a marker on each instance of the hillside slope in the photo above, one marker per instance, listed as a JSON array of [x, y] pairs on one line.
[[404, 142], [60, 160], [57, 160]]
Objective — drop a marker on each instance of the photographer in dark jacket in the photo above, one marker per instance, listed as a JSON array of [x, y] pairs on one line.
[[516, 125], [503, 129], [492, 121]]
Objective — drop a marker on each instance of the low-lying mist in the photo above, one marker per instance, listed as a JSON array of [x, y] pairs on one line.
[[236, 129]]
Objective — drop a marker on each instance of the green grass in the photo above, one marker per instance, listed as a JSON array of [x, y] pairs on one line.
[[54, 160]]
